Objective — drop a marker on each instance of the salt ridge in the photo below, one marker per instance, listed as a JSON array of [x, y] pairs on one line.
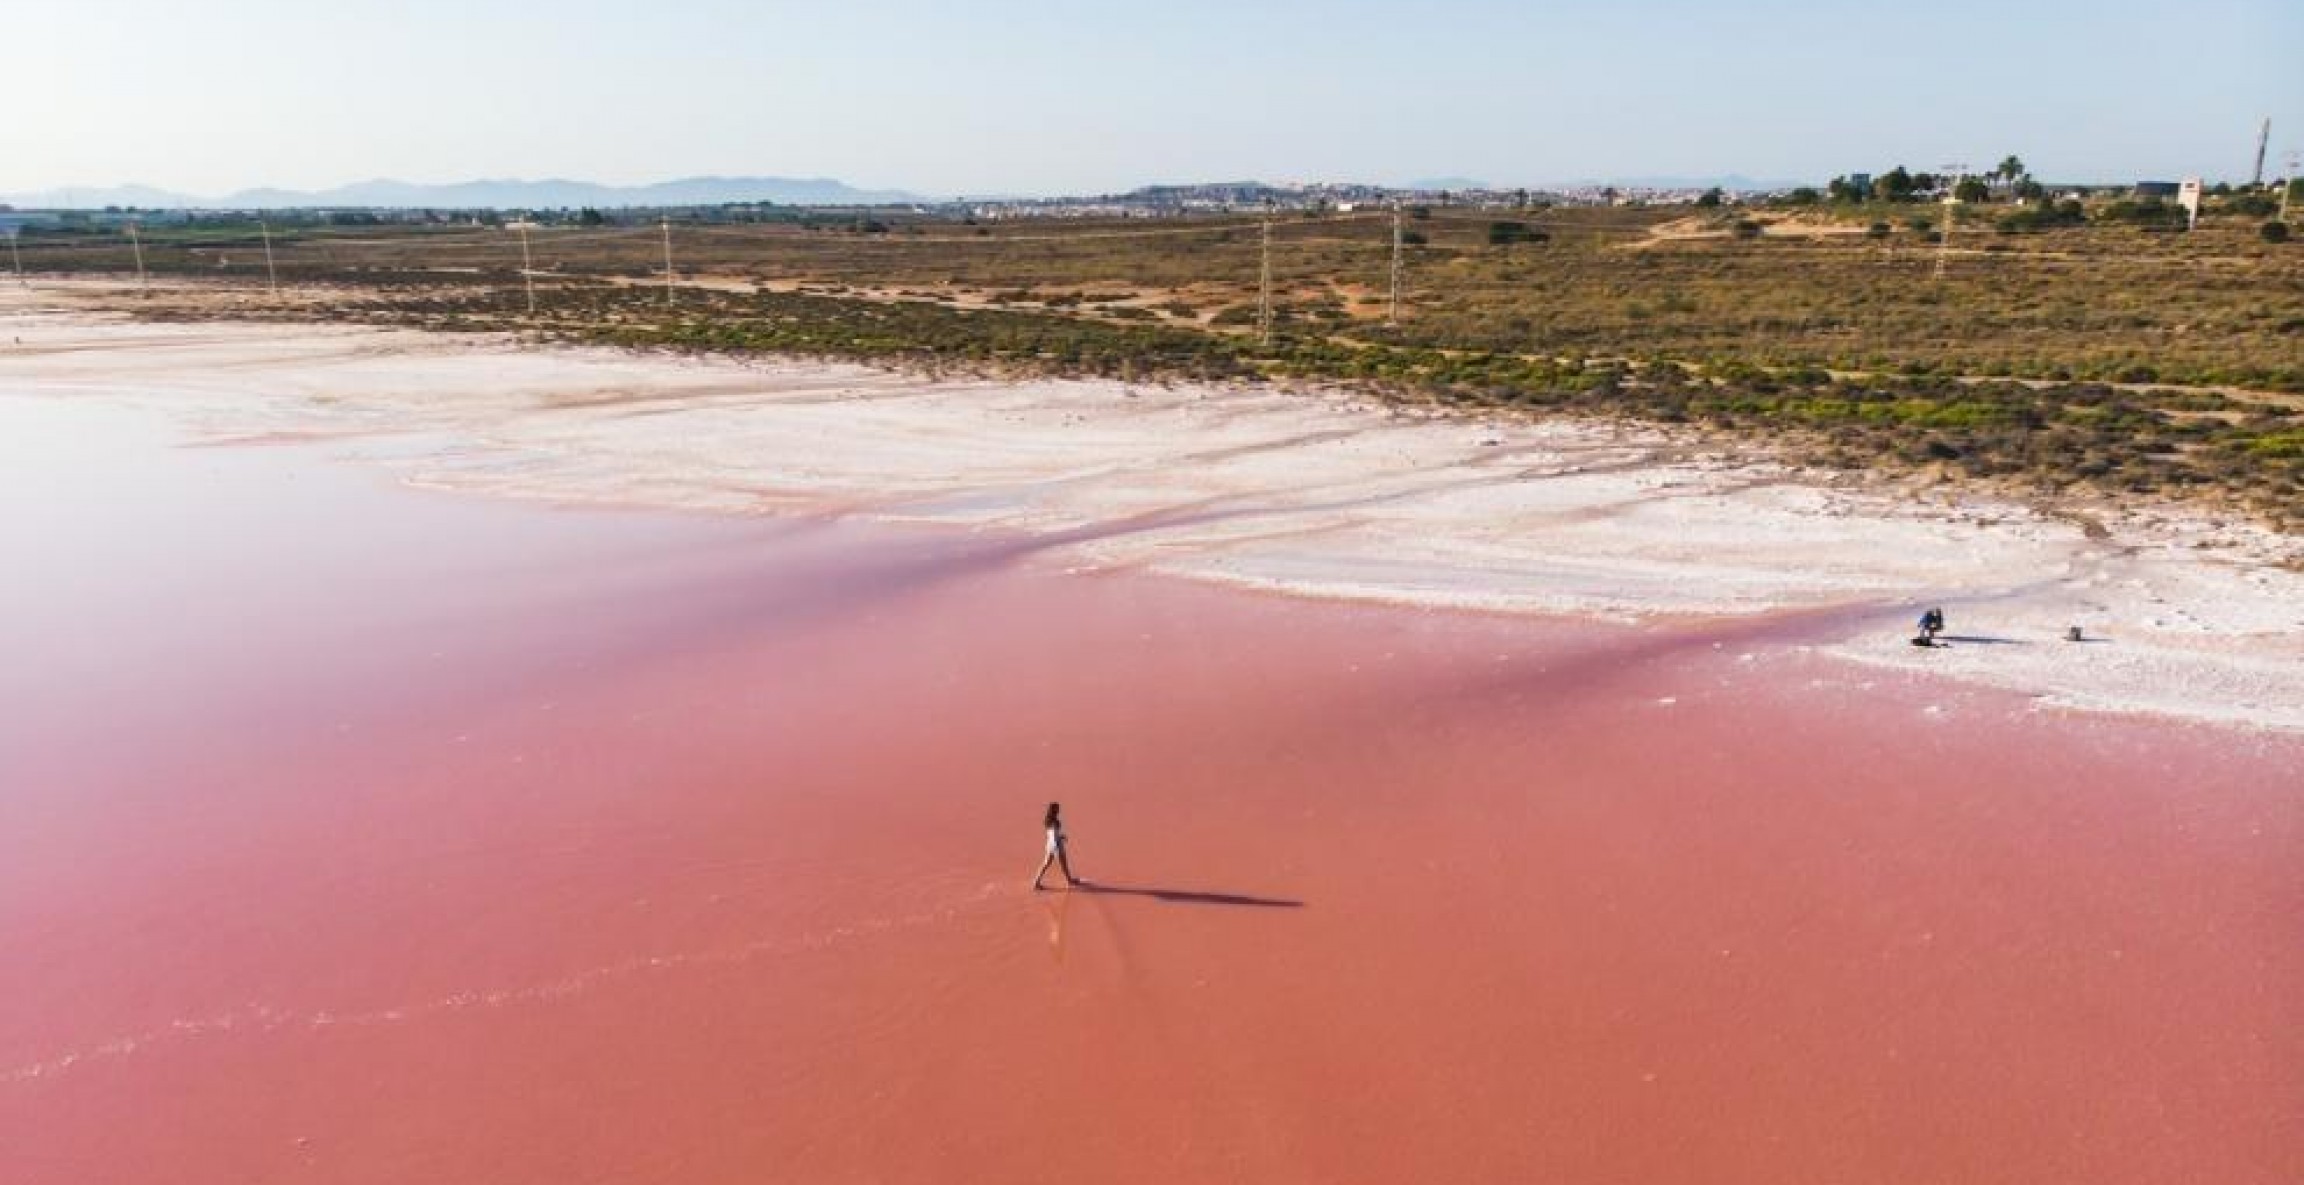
[[2191, 615]]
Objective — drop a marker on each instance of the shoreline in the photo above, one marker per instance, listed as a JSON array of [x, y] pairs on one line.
[[2200, 617]]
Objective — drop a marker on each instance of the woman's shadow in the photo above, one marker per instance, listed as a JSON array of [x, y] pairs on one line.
[[1186, 896]]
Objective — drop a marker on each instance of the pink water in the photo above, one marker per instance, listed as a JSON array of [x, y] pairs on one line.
[[352, 834]]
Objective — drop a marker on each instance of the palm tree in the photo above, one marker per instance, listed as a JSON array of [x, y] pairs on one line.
[[2010, 171]]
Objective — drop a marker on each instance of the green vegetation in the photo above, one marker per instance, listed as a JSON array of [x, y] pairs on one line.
[[2057, 437], [2150, 212], [2042, 216], [1504, 234], [2066, 350]]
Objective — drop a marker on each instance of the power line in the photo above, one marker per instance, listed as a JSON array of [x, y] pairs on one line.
[[1213, 229], [1957, 173], [271, 275], [1264, 284], [420, 251], [1397, 236], [527, 266], [462, 241]]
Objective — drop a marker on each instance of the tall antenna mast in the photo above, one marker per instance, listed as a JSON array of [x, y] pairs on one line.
[[2263, 140], [138, 245], [271, 276], [666, 222], [1264, 282], [1394, 319], [1953, 175], [17, 255], [527, 266]]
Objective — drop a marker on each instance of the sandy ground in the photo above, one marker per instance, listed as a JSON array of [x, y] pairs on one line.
[[1321, 495]]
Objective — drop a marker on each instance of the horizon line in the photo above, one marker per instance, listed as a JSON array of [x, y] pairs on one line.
[[898, 195]]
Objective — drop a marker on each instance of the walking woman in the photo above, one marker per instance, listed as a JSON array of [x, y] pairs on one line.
[[1054, 822]]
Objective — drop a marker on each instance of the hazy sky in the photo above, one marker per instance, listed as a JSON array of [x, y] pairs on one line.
[[1016, 96]]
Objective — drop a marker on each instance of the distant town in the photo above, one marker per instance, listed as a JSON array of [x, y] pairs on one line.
[[548, 203]]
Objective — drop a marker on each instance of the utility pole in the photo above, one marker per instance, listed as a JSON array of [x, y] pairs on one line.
[[271, 276], [2263, 140], [527, 265], [138, 245], [666, 222], [16, 254], [1397, 237], [2288, 183], [1264, 283], [1953, 175]]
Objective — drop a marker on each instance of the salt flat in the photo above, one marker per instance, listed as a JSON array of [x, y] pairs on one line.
[[1323, 494]]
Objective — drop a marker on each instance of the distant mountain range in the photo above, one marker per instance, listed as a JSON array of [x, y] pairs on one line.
[[558, 194], [551, 194]]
